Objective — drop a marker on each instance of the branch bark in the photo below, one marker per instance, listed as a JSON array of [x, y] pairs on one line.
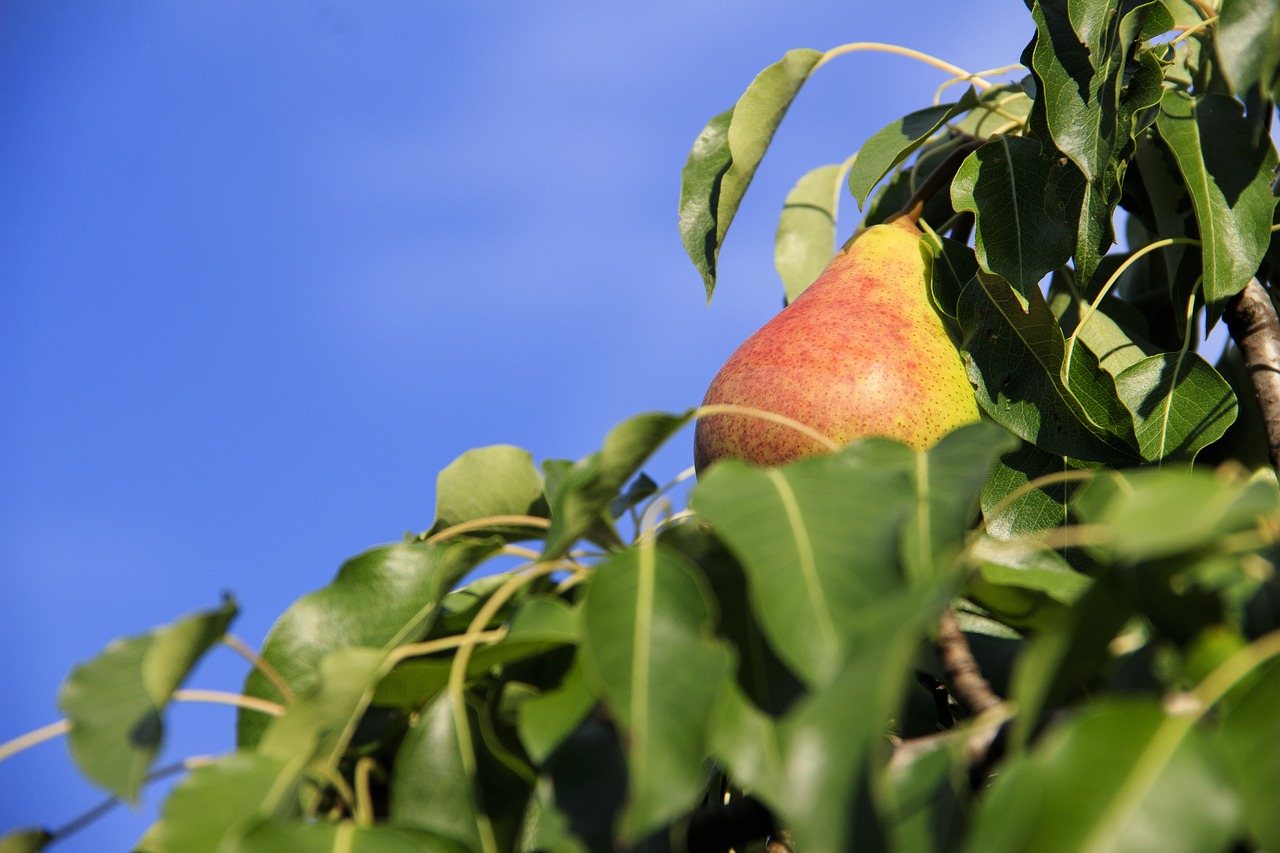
[[1251, 319], [961, 669]]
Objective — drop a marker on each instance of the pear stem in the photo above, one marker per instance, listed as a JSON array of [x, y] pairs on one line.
[[939, 178]]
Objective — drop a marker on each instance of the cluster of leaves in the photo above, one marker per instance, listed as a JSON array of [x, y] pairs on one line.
[[567, 661]]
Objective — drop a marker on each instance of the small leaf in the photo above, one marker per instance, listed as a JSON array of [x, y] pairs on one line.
[[1179, 404], [1120, 776], [1228, 172], [726, 154], [25, 841], [216, 800], [818, 540], [894, 143], [1008, 184], [382, 598], [115, 702], [486, 482], [806, 239], [582, 496], [648, 644]]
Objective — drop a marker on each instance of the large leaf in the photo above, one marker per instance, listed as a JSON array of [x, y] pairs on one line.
[[115, 702], [1121, 776], [1179, 404], [818, 540], [347, 837], [1091, 92], [1033, 510], [1251, 720], [1228, 171], [580, 500], [648, 643], [894, 143], [1021, 233], [1248, 45], [728, 152], [546, 720], [486, 482], [806, 238], [217, 800], [1016, 356], [386, 596]]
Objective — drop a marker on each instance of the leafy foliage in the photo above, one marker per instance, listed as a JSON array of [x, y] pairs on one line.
[[780, 636]]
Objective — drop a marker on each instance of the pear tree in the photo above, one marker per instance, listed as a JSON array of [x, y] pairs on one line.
[[1052, 624]]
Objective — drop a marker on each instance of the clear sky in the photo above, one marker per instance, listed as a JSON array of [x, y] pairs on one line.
[[267, 267]]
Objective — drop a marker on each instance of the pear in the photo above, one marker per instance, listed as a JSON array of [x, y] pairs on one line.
[[860, 352]]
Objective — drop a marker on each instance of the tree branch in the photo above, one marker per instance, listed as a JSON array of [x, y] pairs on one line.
[[1251, 319], [939, 178], [961, 669]]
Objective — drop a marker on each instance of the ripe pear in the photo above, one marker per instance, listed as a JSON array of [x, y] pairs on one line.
[[860, 352]]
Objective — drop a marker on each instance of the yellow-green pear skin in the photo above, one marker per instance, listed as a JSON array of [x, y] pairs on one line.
[[861, 352]]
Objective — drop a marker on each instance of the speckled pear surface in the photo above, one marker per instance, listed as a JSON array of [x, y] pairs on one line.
[[860, 352]]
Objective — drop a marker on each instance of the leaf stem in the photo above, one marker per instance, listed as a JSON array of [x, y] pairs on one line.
[[772, 417], [881, 47], [1039, 483], [261, 664], [966, 78], [937, 179], [222, 697], [10, 748], [490, 521]]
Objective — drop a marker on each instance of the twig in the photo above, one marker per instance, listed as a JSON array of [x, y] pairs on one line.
[[1251, 320], [937, 179], [961, 669]]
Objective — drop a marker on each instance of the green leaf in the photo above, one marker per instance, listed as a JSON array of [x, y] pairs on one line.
[[546, 720], [806, 239], [1021, 584], [1035, 510], [818, 540], [648, 621], [345, 837], [435, 789], [954, 266], [1016, 354], [1228, 172], [1021, 230], [927, 795], [214, 801], [727, 153], [115, 702], [386, 596], [1250, 720], [25, 841], [997, 107], [1179, 404], [1248, 45], [582, 497], [894, 143], [1113, 347], [1120, 776], [486, 482]]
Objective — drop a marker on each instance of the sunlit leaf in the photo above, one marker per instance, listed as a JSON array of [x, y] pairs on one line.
[[1248, 45], [386, 596], [1227, 170], [115, 702], [806, 238], [648, 621], [727, 153], [213, 802], [1179, 404], [581, 499], [894, 143], [1021, 231], [1120, 776], [1022, 584], [1113, 347], [485, 482]]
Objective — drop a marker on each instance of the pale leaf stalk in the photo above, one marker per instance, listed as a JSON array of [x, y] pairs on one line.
[[261, 664], [772, 417], [881, 47]]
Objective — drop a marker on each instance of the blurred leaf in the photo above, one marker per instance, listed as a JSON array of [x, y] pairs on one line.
[[726, 154], [1007, 184], [115, 702], [334, 837], [1091, 93], [1179, 404], [641, 487], [488, 481], [587, 775], [1249, 721], [545, 720], [581, 499], [433, 789], [927, 794], [893, 144], [216, 800], [818, 540], [314, 723], [25, 841], [806, 238], [1248, 45], [1015, 355], [1022, 584], [380, 599], [648, 643], [545, 826], [1228, 172], [1120, 776]]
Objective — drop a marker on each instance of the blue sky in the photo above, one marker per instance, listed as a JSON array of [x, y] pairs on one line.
[[266, 268]]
